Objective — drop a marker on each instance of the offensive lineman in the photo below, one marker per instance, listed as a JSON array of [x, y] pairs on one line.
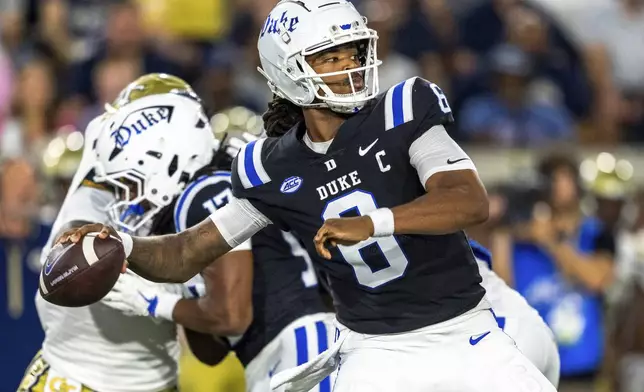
[[410, 308]]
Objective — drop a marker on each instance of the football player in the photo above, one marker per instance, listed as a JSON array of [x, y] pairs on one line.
[[518, 319], [99, 348], [377, 187], [290, 322]]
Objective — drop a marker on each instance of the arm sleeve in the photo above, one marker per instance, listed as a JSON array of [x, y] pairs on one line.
[[238, 221], [435, 151], [201, 198]]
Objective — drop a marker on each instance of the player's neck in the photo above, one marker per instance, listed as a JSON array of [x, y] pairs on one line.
[[322, 124]]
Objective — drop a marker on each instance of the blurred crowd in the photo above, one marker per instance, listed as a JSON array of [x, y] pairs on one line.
[[523, 73], [530, 74]]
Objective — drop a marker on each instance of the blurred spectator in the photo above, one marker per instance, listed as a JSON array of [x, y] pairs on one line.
[[110, 77], [610, 193], [395, 66], [483, 27], [623, 368], [6, 86], [557, 64], [22, 237], [12, 24], [231, 79], [555, 61], [124, 40], [32, 116], [617, 28], [561, 262], [426, 33], [512, 114], [196, 20]]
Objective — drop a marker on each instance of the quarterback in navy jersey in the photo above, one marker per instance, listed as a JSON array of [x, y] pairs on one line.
[[373, 184]]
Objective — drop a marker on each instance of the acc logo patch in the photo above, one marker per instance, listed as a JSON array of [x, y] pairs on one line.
[[291, 184]]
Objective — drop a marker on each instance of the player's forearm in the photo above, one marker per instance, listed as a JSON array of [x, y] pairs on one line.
[[198, 315], [187, 313], [442, 211], [177, 257]]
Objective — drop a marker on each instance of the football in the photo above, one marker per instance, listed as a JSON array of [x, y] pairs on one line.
[[82, 273]]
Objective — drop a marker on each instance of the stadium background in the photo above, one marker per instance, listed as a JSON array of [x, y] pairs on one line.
[[529, 81]]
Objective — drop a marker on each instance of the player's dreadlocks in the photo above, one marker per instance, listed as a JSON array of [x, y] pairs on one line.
[[281, 116]]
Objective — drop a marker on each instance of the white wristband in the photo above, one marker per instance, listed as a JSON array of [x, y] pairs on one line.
[[127, 241], [165, 306], [383, 222]]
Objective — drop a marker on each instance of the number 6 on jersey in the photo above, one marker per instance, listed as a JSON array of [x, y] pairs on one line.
[[363, 202]]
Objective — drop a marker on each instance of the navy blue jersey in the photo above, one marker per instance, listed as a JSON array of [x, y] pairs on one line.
[[284, 281], [381, 285]]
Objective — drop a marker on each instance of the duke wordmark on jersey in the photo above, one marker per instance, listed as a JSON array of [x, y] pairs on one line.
[[340, 184]]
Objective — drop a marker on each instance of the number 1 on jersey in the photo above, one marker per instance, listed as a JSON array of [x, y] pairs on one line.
[[218, 201], [308, 275], [364, 202]]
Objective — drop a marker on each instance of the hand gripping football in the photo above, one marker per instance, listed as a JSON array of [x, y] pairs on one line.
[[82, 273]]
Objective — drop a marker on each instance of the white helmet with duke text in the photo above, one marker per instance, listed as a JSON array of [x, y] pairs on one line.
[[297, 29], [148, 151]]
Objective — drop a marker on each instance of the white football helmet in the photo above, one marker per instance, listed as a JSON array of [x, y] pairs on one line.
[[296, 29], [148, 151]]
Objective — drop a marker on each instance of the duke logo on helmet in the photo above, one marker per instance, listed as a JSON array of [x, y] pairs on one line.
[[291, 184], [139, 121], [272, 26]]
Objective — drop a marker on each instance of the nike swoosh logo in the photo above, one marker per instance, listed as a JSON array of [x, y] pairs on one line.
[[271, 372], [450, 162], [474, 340], [51, 263], [152, 304], [362, 151]]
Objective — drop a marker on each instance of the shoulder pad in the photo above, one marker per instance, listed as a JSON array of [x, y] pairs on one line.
[[201, 198], [416, 100]]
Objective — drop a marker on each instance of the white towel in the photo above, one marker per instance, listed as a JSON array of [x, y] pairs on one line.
[[306, 376]]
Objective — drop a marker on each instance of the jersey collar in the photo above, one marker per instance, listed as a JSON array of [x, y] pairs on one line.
[[348, 130]]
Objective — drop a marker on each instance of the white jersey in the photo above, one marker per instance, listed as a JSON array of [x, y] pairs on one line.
[[519, 320], [96, 345]]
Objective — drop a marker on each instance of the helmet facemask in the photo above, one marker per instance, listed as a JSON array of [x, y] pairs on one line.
[[133, 210], [130, 210]]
